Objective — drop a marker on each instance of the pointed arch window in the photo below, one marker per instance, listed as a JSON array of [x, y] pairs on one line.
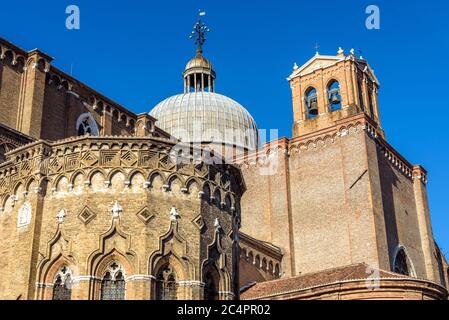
[[371, 104], [311, 100], [86, 125], [361, 96], [401, 265], [447, 274], [334, 96], [441, 268], [113, 283], [166, 285], [62, 287]]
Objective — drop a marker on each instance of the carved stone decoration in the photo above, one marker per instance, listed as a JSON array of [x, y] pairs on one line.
[[116, 210], [86, 215], [60, 216], [217, 225], [24, 217], [199, 222], [174, 215], [145, 215]]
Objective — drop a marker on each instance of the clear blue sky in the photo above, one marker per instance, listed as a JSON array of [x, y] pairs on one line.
[[135, 51]]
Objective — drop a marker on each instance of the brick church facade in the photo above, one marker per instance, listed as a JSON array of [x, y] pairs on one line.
[[97, 203]]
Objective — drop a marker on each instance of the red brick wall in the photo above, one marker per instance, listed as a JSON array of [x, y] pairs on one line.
[[10, 85]]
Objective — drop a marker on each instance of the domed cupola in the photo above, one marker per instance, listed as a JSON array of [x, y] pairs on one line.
[[200, 115]]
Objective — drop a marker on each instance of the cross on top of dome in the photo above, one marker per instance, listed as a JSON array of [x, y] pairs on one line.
[[199, 33], [199, 75]]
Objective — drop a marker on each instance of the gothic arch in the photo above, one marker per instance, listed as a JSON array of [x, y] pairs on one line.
[[134, 172], [102, 265], [85, 123], [93, 172], [75, 174], [191, 183], [17, 188], [58, 183], [114, 171], [29, 184], [211, 279], [402, 262], [215, 265], [153, 175], [58, 253], [217, 195], [172, 252], [114, 245], [175, 177], [206, 191]]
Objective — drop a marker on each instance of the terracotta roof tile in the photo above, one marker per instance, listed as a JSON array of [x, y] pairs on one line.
[[310, 280]]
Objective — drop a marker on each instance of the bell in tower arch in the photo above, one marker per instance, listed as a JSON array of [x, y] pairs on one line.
[[311, 100], [334, 97], [313, 107]]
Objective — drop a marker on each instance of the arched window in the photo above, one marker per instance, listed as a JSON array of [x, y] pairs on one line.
[[334, 96], [211, 285], [447, 274], [113, 283], [401, 265], [362, 101], [62, 288], [311, 100], [370, 101], [86, 125], [440, 268], [166, 285]]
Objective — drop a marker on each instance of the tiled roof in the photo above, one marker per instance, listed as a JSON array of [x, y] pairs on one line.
[[285, 285]]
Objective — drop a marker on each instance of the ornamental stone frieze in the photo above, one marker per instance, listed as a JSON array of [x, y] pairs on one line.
[[50, 163]]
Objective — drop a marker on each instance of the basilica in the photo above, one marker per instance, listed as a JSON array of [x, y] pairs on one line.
[[185, 203]]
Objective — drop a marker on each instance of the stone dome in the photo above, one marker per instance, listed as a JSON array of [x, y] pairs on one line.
[[201, 117]]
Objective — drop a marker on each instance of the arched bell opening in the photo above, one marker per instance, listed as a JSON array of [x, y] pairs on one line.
[[334, 95], [311, 101]]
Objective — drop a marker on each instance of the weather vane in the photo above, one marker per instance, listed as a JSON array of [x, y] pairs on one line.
[[199, 32]]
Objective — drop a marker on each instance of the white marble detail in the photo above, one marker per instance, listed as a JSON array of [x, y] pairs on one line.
[[24, 217]]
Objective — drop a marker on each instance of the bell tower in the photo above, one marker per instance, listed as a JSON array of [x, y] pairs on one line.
[[328, 89]]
